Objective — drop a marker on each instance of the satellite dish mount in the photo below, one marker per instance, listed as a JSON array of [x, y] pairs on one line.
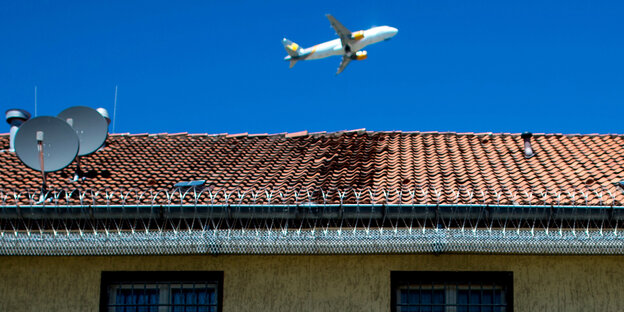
[[39, 137]]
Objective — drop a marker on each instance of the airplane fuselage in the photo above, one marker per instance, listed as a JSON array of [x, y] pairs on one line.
[[334, 47], [349, 44]]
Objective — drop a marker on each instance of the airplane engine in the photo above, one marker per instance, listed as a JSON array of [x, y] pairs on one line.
[[359, 56], [357, 35]]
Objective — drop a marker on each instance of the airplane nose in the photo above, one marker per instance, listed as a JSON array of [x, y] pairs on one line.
[[393, 31]]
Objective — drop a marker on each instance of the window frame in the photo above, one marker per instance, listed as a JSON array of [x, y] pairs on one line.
[[456, 278], [148, 278]]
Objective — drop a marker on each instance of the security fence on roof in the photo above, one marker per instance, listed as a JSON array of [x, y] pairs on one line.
[[199, 221], [331, 241]]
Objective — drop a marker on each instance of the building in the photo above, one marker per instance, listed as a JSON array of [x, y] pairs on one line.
[[345, 221]]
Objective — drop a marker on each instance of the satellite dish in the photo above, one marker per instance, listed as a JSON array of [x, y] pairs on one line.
[[89, 125], [49, 137]]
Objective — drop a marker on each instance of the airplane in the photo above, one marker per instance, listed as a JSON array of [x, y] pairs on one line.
[[348, 45]]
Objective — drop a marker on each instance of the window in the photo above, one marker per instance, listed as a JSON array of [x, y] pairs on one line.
[[183, 291], [452, 291]]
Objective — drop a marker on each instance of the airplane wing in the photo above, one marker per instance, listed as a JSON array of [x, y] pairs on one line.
[[343, 32], [345, 61]]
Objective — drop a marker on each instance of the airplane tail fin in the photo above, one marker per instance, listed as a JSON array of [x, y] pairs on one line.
[[292, 63], [293, 49]]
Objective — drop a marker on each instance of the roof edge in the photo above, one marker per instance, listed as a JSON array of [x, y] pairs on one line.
[[304, 133]]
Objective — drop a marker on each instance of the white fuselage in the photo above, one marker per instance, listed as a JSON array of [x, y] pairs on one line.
[[334, 47]]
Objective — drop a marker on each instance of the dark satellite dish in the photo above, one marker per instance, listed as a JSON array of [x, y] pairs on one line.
[[46, 144], [89, 125]]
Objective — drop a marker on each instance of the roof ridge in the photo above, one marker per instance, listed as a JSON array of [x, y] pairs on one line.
[[359, 131]]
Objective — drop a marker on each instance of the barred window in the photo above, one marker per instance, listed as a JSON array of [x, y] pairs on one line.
[[184, 291], [452, 291]]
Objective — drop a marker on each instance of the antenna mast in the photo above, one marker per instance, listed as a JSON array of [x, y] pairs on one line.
[[35, 101], [115, 109]]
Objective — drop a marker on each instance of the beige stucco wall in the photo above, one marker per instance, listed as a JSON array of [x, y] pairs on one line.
[[316, 283]]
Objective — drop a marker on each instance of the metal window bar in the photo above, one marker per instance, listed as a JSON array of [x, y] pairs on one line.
[[176, 296], [452, 298], [158, 292], [452, 291]]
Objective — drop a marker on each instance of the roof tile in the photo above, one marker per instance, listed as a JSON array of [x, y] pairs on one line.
[[436, 166]]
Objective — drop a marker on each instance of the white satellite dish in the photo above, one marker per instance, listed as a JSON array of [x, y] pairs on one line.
[[46, 144], [89, 125]]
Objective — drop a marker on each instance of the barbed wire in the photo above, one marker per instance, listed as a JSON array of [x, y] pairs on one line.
[[332, 241], [429, 194], [309, 221]]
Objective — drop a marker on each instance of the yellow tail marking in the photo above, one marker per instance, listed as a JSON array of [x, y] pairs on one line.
[[293, 46]]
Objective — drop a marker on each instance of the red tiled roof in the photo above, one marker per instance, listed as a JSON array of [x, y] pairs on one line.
[[389, 167]]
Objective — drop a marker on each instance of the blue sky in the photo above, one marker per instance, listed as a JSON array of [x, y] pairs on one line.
[[217, 66]]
